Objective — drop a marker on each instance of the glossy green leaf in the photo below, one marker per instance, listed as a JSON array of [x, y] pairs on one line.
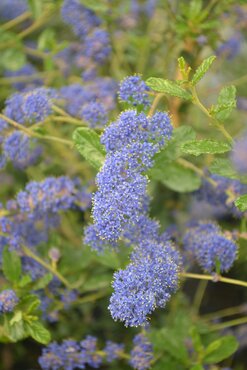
[[11, 265], [220, 349], [176, 177], [198, 147], [202, 69], [241, 202], [168, 87], [38, 332], [87, 142]]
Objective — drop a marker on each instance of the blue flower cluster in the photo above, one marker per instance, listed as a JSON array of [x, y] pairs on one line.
[[146, 283], [210, 246], [222, 194], [131, 143], [142, 353], [72, 355], [85, 24], [91, 102], [8, 301], [10, 9], [231, 47], [133, 90], [25, 108]]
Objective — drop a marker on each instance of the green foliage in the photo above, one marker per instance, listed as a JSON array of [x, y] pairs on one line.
[[198, 147], [168, 87], [241, 202], [225, 104], [176, 177], [202, 69], [11, 265], [37, 331], [220, 349], [87, 142]]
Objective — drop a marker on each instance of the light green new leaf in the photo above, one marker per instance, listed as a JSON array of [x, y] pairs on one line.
[[198, 147], [241, 202], [202, 69], [225, 104], [168, 87], [87, 142], [11, 265], [223, 167], [37, 331], [220, 349]]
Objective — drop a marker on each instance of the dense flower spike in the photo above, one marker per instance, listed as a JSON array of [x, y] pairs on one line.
[[8, 301], [133, 90], [20, 150], [130, 143], [82, 19], [37, 104], [142, 353], [95, 114], [97, 45], [145, 284], [210, 246], [71, 355], [231, 47]]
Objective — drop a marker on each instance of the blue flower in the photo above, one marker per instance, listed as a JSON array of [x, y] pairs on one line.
[[95, 114], [210, 246], [142, 353], [82, 19], [97, 45], [133, 90], [8, 301]]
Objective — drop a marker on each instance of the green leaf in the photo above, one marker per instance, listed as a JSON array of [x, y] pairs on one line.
[[241, 202], [198, 147], [195, 8], [168, 87], [223, 167], [25, 280], [11, 265], [176, 177], [47, 40], [43, 281], [13, 59], [95, 5], [29, 303], [197, 367], [167, 340], [15, 331], [172, 149], [38, 332], [202, 69], [87, 142], [225, 104], [16, 318], [220, 349]]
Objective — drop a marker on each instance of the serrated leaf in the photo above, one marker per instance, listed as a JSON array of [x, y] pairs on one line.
[[225, 104], [38, 332], [87, 142], [220, 349], [202, 69], [223, 167], [29, 303], [176, 177], [241, 202], [43, 281], [11, 265], [15, 331], [198, 147], [168, 87]]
